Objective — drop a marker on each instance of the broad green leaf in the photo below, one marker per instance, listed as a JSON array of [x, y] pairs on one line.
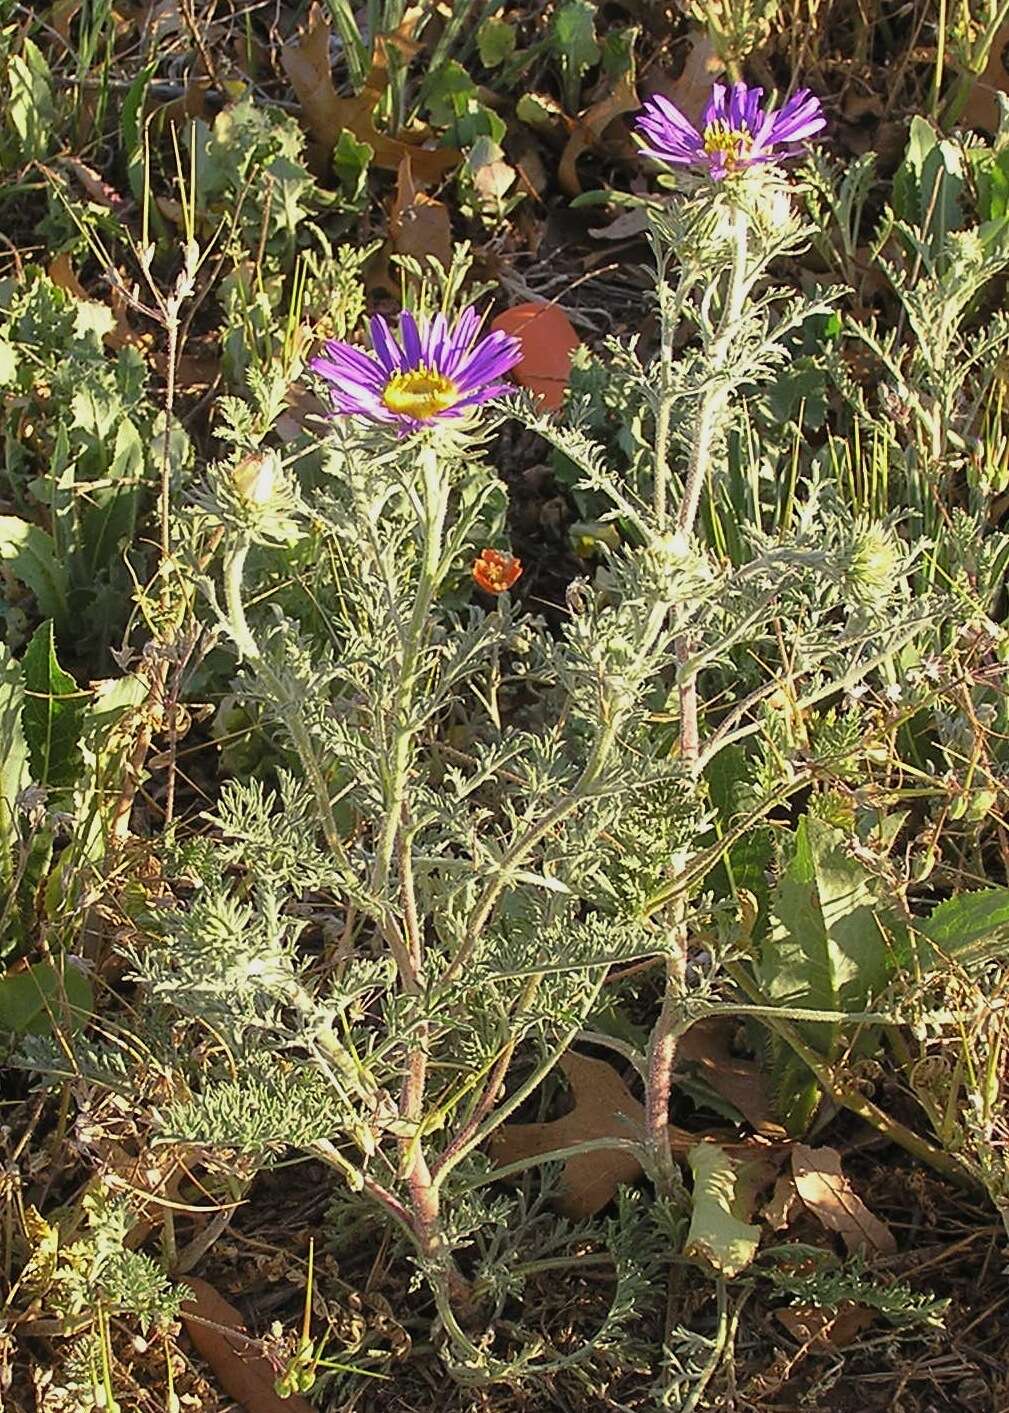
[[132, 132], [971, 926], [31, 555], [14, 776], [575, 35], [717, 1235], [496, 41], [351, 160], [835, 938], [33, 999], [448, 92], [30, 108], [991, 172], [53, 715], [103, 748], [830, 946], [110, 519], [922, 139], [8, 363], [929, 183], [730, 785]]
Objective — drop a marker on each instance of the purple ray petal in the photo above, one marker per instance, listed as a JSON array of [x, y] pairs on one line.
[[409, 337], [800, 117], [492, 357], [716, 111], [385, 345]]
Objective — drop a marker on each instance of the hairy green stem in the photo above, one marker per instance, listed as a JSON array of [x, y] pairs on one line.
[[435, 511], [664, 413], [665, 1034]]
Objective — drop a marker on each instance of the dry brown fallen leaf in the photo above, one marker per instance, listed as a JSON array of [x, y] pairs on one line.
[[604, 1107], [218, 1333], [785, 1204], [692, 89], [61, 16], [823, 1187], [707, 1044], [419, 224], [824, 1330], [97, 188], [306, 63], [981, 109], [589, 128]]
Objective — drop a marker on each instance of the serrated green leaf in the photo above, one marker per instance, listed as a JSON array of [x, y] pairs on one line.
[[31, 555], [539, 112], [448, 92], [717, 1235], [351, 160], [53, 715], [971, 925]]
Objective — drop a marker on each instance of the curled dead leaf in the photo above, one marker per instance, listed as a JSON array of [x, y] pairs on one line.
[[604, 1108], [827, 1193], [718, 1234], [61, 16], [218, 1332], [785, 1204], [98, 190], [589, 128], [692, 89]]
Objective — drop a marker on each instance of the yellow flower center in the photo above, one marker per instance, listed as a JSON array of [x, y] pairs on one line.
[[734, 142], [420, 393]]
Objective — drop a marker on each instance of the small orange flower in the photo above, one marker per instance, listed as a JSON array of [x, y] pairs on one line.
[[494, 572]]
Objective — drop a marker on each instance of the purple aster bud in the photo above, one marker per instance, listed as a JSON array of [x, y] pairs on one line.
[[433, 372], [735, 131]]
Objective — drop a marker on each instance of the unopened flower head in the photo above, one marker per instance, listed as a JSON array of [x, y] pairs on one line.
[[433, 372], [735, 131], [495, 571], [255, 477], [872, 563]]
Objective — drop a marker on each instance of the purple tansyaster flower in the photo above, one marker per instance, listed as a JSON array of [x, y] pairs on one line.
[[735, 132], [435, 371]]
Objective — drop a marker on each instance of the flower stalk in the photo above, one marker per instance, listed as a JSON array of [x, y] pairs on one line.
[[670, 1025]]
